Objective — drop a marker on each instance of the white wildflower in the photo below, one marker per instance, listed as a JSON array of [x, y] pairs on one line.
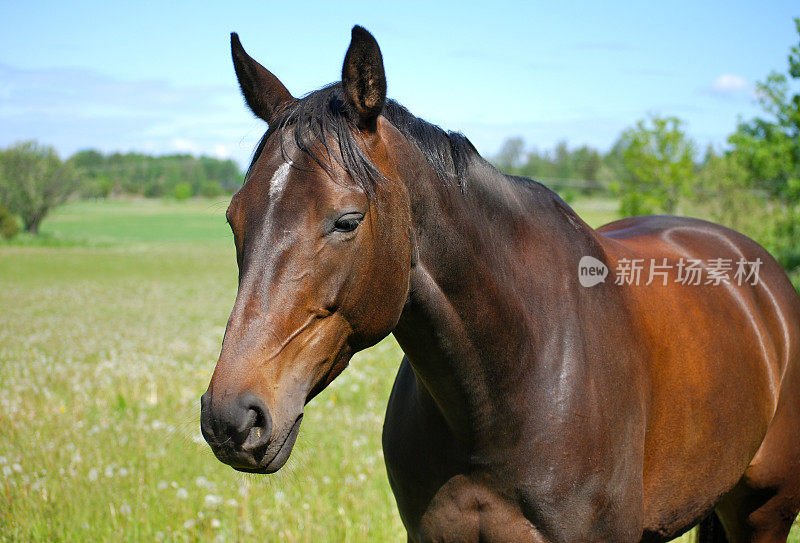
[[212, 500]]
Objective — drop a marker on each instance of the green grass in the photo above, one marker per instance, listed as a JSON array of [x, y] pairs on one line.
[[597, 211], [152, 221], [109, 331]]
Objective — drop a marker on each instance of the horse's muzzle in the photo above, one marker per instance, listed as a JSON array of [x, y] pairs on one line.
[[238, 430]]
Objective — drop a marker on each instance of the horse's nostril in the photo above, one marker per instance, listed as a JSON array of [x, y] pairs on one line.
[[238, 430], [257, 428]]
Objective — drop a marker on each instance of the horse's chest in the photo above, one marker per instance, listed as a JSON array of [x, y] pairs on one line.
[[436, 500], [442, 497]]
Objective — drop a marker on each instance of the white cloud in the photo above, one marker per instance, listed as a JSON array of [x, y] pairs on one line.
[[731, 85], [221, 151], [185, 146]]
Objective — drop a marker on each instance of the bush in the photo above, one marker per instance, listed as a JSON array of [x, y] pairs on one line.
[[8, 224], [210, 189], [785, 234], [182, 191], [96, 188]]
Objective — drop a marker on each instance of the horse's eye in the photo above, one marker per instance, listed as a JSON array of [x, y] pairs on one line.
[[348, 222]]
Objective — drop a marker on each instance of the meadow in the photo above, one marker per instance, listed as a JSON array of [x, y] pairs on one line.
[[110, 326]]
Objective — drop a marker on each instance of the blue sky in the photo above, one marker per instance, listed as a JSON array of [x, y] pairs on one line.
[[157, 77]]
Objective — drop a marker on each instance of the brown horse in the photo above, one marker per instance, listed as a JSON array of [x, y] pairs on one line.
[[528, 407]]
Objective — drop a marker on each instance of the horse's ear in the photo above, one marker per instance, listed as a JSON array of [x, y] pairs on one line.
[[262, 91], [363, 79]]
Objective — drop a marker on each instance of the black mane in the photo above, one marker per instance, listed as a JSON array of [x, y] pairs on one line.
[[321, 117]]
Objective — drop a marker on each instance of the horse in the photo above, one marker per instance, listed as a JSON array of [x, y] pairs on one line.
[[530, 405]]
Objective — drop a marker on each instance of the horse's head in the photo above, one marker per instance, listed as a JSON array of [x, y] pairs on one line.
[[322, 233]]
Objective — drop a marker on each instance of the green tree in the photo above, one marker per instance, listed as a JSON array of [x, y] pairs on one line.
[[34, 180], [727, 194], [586, 163], [562, 161], [658, 160], [509, 158], [90, 167]]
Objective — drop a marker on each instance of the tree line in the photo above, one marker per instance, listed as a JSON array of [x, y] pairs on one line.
[[34, 179], [179, 176]]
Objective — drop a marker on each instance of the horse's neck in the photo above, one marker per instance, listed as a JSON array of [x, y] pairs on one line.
[[493, 282]]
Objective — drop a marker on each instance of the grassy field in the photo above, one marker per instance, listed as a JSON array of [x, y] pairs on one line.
[[110, 326]]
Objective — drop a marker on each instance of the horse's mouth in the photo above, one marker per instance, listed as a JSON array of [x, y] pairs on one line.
[[281, 455]]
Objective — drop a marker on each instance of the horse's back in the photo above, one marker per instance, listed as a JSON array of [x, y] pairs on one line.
[[768, 289], [724, 367], [766, 296]]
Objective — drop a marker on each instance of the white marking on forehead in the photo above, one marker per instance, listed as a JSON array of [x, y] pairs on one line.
[[278, 181]]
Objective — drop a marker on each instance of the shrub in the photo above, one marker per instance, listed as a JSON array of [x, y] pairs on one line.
[[8, 224], [182, 191], [210, 189]]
